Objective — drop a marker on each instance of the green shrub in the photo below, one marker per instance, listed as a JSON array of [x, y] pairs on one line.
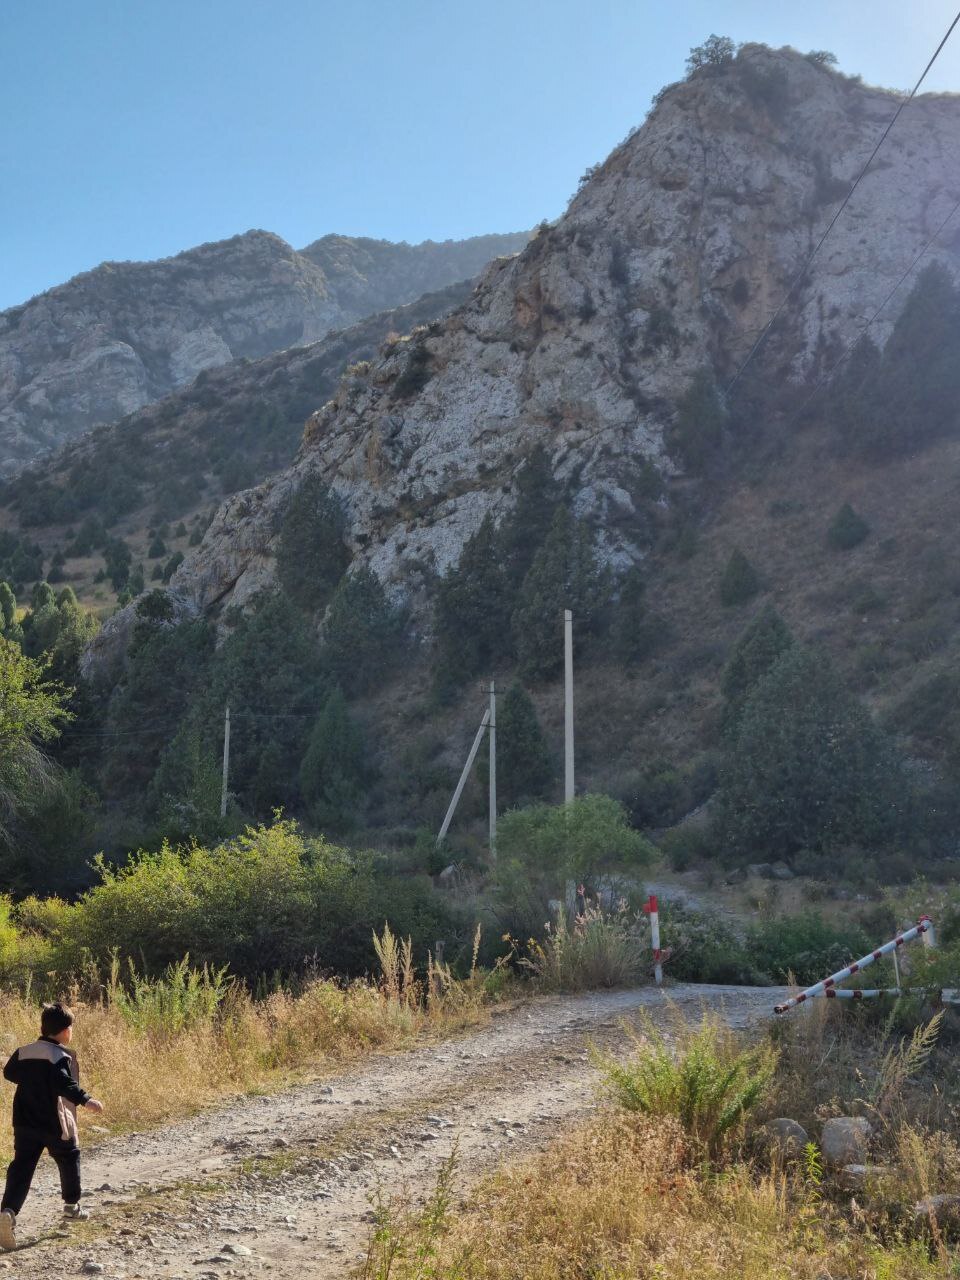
[[739, 582], [847, 529], [806, 946], [703, 947], [600, 949], [269, 901], [704, 1077]]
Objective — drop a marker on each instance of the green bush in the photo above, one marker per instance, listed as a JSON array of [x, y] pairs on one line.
[[268, 901], [704, 1077], [806, 946], [847, 529], [703, 947]]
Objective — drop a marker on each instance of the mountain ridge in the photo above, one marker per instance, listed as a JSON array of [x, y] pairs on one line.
[[122, 335]]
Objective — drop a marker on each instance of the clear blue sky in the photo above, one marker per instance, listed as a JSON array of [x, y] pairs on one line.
[[136, 128]]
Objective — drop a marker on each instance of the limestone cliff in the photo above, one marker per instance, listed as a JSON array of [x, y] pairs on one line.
[[121, 336], [670, 258]]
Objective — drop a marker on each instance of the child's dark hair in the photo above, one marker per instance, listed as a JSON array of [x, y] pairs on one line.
[[55, 1018]]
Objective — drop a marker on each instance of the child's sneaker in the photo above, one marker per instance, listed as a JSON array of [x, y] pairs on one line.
[[8, 1229], [73, 1213]]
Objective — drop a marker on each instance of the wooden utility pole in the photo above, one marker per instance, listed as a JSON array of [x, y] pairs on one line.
[[226, 762]]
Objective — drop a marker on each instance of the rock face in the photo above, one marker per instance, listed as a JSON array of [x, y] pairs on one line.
[[367, 276], [121, 336], [670, 258]]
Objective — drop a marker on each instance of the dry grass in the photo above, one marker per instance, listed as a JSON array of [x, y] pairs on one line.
[[616, 1200], [630, 1194], [256, 1044]]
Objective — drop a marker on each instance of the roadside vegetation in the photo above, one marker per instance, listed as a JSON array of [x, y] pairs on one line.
[[682, 1174]]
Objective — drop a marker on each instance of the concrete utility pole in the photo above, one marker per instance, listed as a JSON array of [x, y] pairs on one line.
[[463, 777], [226, 762], [493, 770], [568, 784]]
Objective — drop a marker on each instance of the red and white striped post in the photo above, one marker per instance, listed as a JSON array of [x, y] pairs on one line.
[[827, 987], [652, 910]]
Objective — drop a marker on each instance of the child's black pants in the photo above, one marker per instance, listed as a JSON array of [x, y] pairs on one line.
[[28, 1146]]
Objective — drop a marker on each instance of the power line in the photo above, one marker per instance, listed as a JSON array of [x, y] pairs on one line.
[[798, 278], [851, 344]]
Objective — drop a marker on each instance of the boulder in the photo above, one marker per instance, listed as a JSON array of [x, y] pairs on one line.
[[857, 1177], [844, 1141], [761, 870], [785, 1138], [780, 871], [736, 876], [943, 1209]]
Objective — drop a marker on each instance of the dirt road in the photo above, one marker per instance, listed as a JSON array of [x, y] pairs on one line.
[[281, 1186]]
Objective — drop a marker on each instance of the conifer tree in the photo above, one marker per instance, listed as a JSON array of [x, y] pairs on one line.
[[524, 765], [333, 772], [739, 581], [472, 610], [808, 769], [312, 555], [765, 638], [564, 575], [362, 632]]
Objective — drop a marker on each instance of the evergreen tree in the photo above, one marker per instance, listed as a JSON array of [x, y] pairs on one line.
[[117, 557], [362, 633], [739, 581], [635, 631], [564, 575], [524, 764], [312, 555], [473, 605], [166, 666], [808, 769], [525, 528], [697, 430], [765, 638], [333, 773], [185, 790], [847, 529], [9, 625]]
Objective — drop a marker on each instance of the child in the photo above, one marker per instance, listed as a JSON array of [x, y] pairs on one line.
[[45, 1117]]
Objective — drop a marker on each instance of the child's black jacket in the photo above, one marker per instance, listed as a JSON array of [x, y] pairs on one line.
[[48, 1089]]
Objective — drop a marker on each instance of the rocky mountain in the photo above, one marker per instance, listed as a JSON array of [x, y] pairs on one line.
[[668, 262], [173, 461], [125, 334]]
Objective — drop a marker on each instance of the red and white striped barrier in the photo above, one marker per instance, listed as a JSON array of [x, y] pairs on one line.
[[652, 910], [827, 987]]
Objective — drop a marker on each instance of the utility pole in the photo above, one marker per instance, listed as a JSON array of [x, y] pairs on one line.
[[568, 705], [463, 777], [226, 762], [493, 771]]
